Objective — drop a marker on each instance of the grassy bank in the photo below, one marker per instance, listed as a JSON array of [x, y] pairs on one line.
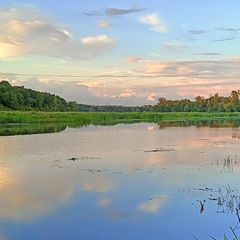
[[10, 117], [17, 117]]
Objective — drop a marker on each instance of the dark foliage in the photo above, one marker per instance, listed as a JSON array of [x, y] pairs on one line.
[[214, 103], [20, 98]]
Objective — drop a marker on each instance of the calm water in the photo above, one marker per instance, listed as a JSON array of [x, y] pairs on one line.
[[136, 181]]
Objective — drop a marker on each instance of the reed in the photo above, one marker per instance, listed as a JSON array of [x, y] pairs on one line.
[[24, 117], [8, 117]]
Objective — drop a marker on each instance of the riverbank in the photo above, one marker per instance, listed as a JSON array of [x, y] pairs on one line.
[[79, 118]]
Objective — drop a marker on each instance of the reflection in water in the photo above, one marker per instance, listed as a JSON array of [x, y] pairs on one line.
[[126, 182], [5, 178], [229, 164], [223, 201], [21, 129], [8, 130], [236, 134], [219, 123], [98, 185], [154, 204], [25, 200], [104, 202]]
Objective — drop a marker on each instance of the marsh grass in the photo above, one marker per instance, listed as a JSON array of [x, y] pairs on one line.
[[77, 118], [7, 117]]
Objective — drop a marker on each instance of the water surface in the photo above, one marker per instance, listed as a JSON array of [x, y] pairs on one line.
[[128, 181]]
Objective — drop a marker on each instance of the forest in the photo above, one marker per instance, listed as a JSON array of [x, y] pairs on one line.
[[214, 103], [22, 99]]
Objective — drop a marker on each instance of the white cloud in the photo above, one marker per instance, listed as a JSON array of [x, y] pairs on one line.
[[94, 92], [127, 93], [152, 97], [8, 50], [154, 21], [195, 69], [156, 54], [153, 67], [153, 79], [26, 31], [104, 24], [97, 39], [132, 59]]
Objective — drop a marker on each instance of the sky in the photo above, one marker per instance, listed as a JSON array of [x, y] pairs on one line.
[[121, 53]]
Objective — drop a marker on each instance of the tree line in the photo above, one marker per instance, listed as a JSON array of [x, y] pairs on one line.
[[20, 98], [214, 103], [113, 108]]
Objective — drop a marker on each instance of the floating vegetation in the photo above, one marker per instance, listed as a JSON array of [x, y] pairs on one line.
[[161, 150], [93, 170], [202, 206], [57, 166], [73, 159], [228, 163], [82, 158], [117, 172], [227, 201]]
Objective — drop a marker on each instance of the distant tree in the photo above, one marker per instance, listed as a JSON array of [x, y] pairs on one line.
[[212, 104]]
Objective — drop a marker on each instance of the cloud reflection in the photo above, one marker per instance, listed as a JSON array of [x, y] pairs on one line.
[[3, 237], [5, 178], [98, 185], [103, 202], [153, 205], [27, 200]]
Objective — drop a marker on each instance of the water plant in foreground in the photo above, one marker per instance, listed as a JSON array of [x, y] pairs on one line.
[[228, 201]]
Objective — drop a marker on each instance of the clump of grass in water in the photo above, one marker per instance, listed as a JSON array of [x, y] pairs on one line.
[[228, 201], [228, 163], [225, 237]]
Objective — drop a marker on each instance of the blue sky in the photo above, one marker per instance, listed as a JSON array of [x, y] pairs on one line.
[[126, 53]]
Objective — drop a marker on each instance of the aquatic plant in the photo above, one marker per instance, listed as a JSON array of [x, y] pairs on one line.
[[228, 163], [228, 201], [7, 117]]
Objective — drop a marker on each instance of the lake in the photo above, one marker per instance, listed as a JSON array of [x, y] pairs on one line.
[[127, 181]]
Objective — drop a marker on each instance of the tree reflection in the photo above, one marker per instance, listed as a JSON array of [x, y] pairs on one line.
[[202, 123], [8, 130]]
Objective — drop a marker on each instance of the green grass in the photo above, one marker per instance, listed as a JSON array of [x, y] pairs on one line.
[[77, 118], [8, 117]]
